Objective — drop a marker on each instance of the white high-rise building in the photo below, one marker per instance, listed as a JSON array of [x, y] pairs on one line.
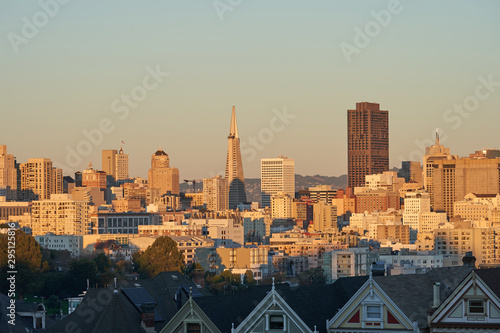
[[277, 175], [281, 206], [417, 212]]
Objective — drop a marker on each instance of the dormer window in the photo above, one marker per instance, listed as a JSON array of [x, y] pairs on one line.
[[476, 307]]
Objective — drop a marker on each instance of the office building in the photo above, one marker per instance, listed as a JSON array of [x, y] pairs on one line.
[[277, 175], [234, 167], [37, 179], [8, 170], [215, 193], [367, 142], [161, 176], [60, 215], [115, 164]]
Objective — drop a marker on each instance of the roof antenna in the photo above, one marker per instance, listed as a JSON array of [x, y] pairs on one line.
[[273, 283], [437, 136]]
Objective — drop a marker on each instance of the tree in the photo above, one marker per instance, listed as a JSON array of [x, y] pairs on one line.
[[79, 272], [162, 256], [249, 279], [28, 262], [102, 262]]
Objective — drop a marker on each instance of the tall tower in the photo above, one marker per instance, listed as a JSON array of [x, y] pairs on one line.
[[277, 175], [234, 167], [115, 164], [367, 142], [161, 176]]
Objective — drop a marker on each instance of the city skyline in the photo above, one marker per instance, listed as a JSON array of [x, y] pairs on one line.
[[416, 67]]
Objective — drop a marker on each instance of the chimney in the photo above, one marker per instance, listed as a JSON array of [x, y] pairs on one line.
[[436, 294], [148, 314], [469, 260]]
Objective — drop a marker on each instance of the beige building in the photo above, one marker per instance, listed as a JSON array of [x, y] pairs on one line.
[[60, 215], [8, 171], [454, 179], [281, 206], [127, 205], [161, 175], [196, 199], [39, 179], [395, 233], [324, 217], [464, 237], [115, 164], [277, 175], [478, 206], [417, 212], [436, 152], [323, 193], [215, 194]]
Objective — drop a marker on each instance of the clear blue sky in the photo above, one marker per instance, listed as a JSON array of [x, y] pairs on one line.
[[264, 55]]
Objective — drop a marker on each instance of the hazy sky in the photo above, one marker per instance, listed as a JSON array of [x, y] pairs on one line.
[[291, 68]]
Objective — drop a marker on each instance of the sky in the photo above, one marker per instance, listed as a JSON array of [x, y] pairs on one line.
[[78, 77]]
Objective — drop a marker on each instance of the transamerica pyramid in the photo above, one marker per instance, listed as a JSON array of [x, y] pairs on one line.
[[234, 167]]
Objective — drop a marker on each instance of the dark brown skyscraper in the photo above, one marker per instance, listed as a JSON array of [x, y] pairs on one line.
[[367, 142]]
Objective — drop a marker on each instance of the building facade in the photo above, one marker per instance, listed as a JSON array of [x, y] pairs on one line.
[[277, 175], [367, 142], [234, 167]]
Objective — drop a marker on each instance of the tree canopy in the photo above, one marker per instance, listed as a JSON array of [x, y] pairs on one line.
[[162, 256]]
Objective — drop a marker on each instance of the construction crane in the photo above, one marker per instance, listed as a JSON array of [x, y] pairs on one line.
[[194, 181]]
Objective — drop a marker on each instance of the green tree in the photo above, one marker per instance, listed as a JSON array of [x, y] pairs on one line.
[[28, 262], [162, 256], [249, 279], [102, 262], [79, 272]]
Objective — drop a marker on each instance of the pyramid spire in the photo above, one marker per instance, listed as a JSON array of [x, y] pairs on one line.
[[233, 131]]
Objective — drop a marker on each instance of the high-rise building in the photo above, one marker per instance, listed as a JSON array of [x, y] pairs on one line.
[[453, 179], [323, 193], [411, 171], [115, 164], [161, 176], [434, 153], [281, 206], [215, 193], [367, 142], [36, 179], [57, 181], [277, 175], [93, 178], [121, 165], [60, 215], [8, 171], [234, 166]]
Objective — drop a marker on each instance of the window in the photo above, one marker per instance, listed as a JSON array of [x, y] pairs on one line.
[[373, 312], [193, 328], [276, 322], [476, 306]]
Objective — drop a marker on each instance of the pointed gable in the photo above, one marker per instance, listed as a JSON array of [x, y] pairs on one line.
[[474, 304], [190, 316], [369, 308], [272, 313]]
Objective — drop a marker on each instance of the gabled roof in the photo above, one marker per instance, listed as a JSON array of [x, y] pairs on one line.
[[192, 312], [483, 282], [102, 310], [273, 301], [413, 293], [314, 304], [491, 277]]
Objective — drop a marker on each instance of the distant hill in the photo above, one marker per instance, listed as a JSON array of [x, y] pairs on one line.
[[301, 182]]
